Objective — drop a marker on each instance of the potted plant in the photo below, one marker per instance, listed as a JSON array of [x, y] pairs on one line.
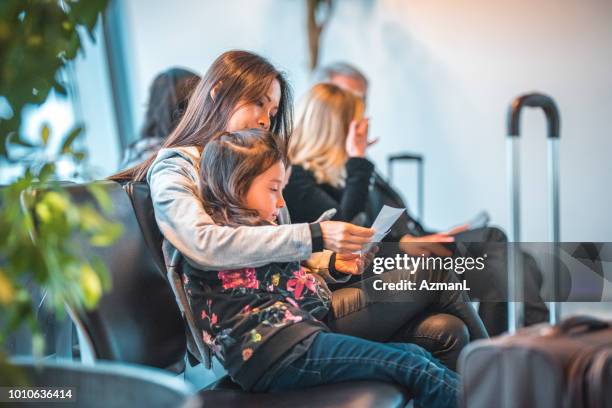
[[37, 39]]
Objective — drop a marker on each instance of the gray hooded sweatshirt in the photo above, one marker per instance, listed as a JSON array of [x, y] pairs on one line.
[[189, 230]]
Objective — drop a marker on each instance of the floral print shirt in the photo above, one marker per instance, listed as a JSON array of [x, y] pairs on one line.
[[250, 317]]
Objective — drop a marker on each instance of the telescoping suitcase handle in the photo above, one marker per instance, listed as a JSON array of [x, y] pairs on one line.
[[515, 270], [534, 100], [419, 160]]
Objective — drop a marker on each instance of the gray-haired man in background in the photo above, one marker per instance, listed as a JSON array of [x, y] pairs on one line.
[[415, 240]]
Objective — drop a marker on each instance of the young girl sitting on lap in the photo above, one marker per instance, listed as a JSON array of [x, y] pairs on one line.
[[265, 324]]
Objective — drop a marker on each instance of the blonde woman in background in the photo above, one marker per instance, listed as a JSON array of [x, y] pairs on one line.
[[327, 150]]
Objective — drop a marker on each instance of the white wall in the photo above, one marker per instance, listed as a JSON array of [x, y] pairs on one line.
[[443, 73]]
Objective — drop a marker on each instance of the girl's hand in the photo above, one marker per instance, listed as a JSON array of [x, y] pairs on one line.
[[351, 264], [354, 264], [357, 138]]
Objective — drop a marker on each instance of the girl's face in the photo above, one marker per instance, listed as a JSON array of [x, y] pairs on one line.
[[265, 194], [258, 114]]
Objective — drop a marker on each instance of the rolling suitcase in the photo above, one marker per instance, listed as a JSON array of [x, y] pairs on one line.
[[564, 366], [568, 365]]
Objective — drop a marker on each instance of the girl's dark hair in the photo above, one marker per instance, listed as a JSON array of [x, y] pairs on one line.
[[168, 97], [237, 77], [229, 163]]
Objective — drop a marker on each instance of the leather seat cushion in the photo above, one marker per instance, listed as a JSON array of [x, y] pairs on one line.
[[363, 394]]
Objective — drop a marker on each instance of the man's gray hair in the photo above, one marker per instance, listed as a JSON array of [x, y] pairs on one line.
[[325, 74]]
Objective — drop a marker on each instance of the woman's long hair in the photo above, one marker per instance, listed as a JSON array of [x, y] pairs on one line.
[[229, 163], [318, 143], [238, 77]]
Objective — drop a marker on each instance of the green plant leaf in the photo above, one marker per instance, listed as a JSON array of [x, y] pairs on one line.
[[101, 197], [43, 212], [45, 134], [46, 172], [38, 230], [90, 220], [91, 286], [107, 235], [38, 345], [7, 291], [74, 133], [79, 155], [57, 201], [60, 89], [102, 271]]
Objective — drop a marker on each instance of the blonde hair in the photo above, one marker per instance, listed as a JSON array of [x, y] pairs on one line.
[[318, 141]]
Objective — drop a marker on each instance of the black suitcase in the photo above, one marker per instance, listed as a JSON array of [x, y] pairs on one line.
[[562, 366]]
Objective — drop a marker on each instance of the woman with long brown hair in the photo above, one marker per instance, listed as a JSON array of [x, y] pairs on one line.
[[240, 90]]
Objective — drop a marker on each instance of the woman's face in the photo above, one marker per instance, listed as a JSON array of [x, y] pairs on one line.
[[265, 194], [258, 114]]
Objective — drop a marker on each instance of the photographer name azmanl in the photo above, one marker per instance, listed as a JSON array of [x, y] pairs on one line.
[[405, 284]]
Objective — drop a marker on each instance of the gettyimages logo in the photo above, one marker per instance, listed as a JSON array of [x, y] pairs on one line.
[[494, 271], [459, 264]]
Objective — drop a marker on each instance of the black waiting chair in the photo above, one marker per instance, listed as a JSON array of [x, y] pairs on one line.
[[362, 394], [138, 321], [140, 195]]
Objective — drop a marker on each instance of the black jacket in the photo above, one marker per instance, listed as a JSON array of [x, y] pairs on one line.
[[307, 200], [365, 192]]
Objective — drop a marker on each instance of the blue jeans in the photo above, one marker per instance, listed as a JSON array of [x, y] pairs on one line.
[[336, 358]]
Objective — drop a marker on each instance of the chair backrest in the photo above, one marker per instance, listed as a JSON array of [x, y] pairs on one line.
[[140, 195], [138, 321]]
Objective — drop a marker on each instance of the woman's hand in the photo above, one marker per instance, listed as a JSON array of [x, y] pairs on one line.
[[426, 245], [342, 237], [430, 244], [357, 138]]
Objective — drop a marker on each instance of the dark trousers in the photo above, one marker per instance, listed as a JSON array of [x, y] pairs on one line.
[[491, 289], [442, 322]]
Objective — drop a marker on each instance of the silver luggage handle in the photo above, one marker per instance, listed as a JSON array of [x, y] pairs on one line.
[[420, 161], [515, 280], [534, 100]]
